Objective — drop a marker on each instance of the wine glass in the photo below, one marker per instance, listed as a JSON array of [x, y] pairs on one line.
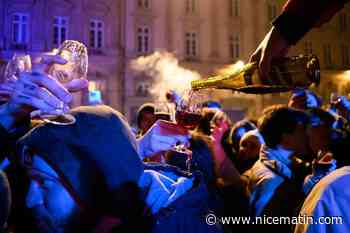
[[75, 53], [188, 110], [19, 63]]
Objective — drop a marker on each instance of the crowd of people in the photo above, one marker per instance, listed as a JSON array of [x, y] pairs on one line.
[[97, 175]]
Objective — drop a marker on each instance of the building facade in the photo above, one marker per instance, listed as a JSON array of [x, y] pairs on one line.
[[203, 34], [36, 26]]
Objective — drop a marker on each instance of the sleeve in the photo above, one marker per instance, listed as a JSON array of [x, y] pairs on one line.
[[299, 16]]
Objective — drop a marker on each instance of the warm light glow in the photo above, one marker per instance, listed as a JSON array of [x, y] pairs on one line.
[[92, 86], [239, 64], [231, 68]]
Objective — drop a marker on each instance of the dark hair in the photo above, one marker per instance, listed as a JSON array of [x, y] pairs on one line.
[[234, 137], [212, 104], [339, 145], [324, 116], [278, 120], [207, 115], [147, 107]]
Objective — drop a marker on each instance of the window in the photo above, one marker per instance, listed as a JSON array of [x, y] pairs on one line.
[[142, 88], [60, 30], [96, 34], [145, 4], [271, 12], [327, 54], [191, 45], [308, 47], [20, 28], [345, 55], [234, 8], [190, 6], [343, 24], [234, 47], [143, 39]]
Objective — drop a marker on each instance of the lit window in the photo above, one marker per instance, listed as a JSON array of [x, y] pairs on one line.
[[20, 29], [234, 8], [345, 55], [343, 24], [308, 47], [327, 50], [142, 88], [60, 30], [96, 34], [191, 45], [143, 4], [143, 39], [190, 6], [234, 47]]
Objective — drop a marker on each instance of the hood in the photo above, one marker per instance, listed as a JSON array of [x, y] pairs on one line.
[[95, 157]]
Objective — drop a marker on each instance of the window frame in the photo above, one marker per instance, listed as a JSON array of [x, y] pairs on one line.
[[23, 30], [96, 29], [60, 27]]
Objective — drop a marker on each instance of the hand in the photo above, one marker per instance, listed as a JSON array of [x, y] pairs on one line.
[[324, 165], [34, 92], [162, 136], [159, 189], [44, 64], [273, 46], [343, 107]]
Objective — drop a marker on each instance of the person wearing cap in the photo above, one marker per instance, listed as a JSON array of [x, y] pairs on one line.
[[88, 176], [145, 118]]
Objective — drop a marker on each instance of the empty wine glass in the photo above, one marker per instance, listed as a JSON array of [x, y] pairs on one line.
[[18, 63], [76, 67], [75, 53]]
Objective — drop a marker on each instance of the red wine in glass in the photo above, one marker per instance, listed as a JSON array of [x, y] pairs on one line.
[[187, 120]]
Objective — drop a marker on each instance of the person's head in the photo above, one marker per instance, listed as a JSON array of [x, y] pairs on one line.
[[146, 117], [249, 149], [237, 132], [286, 127], [304, 99], [249, 145], [82, 172], [213, 105], [320, 129], [204, 125], [210, 118]]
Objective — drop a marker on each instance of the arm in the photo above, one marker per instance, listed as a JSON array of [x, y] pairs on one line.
[[300, 16]]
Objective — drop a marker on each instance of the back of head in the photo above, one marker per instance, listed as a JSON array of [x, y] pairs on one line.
[[278, 120], [321, 116], [238, 130]]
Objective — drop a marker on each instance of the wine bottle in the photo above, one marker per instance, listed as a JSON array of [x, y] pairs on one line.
[[285, 74]]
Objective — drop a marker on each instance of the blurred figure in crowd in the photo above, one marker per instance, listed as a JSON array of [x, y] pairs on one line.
[[272, 180], [145, 118], [249, 149]]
